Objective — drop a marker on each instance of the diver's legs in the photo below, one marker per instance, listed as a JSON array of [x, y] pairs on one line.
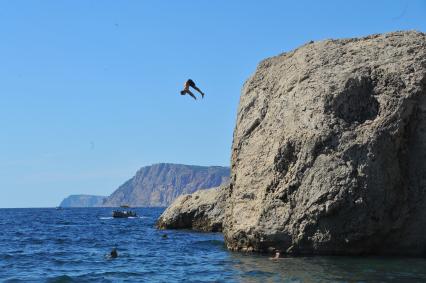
[[191, 94], [199, 90]]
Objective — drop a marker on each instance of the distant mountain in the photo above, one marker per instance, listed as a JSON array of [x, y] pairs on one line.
[[160, 184], [82, 201]]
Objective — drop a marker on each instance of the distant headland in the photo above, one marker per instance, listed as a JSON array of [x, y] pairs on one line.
[[156, 186]]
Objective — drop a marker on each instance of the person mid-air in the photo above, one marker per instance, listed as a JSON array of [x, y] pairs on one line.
[[190, 83]]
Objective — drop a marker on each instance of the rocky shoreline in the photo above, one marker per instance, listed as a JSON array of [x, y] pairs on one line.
[[203, 210], [328, 153]]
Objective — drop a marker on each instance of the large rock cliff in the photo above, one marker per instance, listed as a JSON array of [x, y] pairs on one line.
[[329, 150], [160, 184]]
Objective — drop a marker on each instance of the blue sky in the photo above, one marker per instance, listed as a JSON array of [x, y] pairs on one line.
[[89, 89]]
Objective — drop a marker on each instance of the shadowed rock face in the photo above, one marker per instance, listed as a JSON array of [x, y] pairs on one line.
[[329, 150], [160, 184], [202, 210]]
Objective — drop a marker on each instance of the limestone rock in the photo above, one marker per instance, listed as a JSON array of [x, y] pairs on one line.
[[202, 210], [329, 150]]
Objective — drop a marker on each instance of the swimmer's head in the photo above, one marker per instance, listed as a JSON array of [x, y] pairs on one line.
[[114, 253]]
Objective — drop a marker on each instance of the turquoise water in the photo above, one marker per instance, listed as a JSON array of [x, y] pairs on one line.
[[49, 245]]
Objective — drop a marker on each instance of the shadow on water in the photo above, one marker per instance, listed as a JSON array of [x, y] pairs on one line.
[[255, 268]]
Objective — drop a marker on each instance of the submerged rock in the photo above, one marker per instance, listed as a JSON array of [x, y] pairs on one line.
[[329, 150], [202, 210]]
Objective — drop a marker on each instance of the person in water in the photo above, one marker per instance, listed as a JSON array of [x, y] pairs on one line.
[[277, 255], [114, 253], [190, 83]]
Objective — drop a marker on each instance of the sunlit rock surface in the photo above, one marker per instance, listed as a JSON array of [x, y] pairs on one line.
[[329, 150]]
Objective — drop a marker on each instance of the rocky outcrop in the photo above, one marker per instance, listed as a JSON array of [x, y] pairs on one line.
[[202, 211], [329, 150], [82, 201], [160, 184]]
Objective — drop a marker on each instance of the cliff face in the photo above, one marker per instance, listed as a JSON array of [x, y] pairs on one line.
[[329, 150], [82, 201], [203, 210], [160, 184]]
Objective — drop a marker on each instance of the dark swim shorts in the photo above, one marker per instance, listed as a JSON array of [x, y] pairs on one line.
[[191, 83]]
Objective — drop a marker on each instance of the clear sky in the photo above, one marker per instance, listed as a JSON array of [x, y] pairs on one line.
[[89, 90]]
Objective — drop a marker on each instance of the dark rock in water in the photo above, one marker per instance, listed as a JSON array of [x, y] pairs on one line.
[[82, 201], [329, 150], [160, 184], [202, 210]]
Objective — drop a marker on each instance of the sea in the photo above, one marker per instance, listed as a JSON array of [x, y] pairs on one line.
[[73, 244]]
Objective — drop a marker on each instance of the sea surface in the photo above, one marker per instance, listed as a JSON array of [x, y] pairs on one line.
[[71, 245]]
